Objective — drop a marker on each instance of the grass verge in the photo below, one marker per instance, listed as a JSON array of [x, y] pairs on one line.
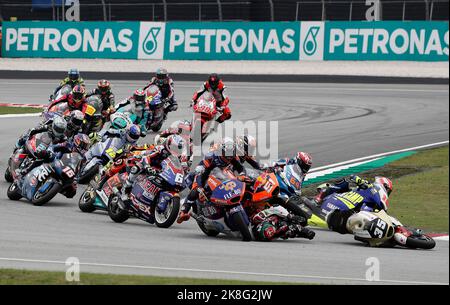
[[420, 197], [28, 277], [18, 110]]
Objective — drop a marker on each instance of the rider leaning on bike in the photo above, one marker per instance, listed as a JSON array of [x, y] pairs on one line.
[[165, 85]]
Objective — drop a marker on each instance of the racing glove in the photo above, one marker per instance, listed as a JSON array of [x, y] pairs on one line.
[[359, 181]]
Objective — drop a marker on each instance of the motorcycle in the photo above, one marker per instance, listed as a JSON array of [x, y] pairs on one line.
[[22, 157], [378, 229], [205, 111], [99, 155], [45, 181], [156, 106], [223, 211], [100, 188], [154, 199]]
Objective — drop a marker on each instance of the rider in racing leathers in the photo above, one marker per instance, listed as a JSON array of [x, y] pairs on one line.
[[220, 158], [216, 87], [73, 78], [135, 104], [103, 90], [76, 100], [165, 85], [366, 195], [246, 151]]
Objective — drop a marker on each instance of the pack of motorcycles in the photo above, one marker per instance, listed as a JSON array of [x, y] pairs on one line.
[[157, 199]]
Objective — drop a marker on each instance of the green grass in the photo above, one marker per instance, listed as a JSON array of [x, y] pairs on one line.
[[28, 277], [18, 110], [420, 197]]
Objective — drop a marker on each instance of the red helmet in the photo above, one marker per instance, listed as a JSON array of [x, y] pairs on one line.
[[385, 182], [78, 95], [304, 160], [214, 81], [104, 86]]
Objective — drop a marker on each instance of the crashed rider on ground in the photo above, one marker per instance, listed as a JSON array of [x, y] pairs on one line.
[[103, 90], [365, 196], [216, 87], [221, 158], [165, 85], [57, 131], [150, 163], [73, 78]]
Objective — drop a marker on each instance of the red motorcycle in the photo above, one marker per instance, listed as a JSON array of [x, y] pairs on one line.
[[205, 111]]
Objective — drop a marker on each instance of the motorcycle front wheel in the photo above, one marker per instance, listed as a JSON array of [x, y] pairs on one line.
[[42, 198], [168, 217], [115, 212], [239, 221], [8, 176], [14, 192], [88, 175], [86, 202], [420, 242]]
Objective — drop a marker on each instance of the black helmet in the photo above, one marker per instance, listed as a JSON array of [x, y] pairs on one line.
[[73, 74], [213, 81], [161, 76]]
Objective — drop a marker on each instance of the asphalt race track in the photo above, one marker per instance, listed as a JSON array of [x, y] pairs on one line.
[[334, 122]]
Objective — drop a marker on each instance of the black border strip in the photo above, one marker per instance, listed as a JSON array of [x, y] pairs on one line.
[[9, 74]]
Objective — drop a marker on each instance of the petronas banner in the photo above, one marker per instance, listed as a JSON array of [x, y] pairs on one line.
[[379, 40]]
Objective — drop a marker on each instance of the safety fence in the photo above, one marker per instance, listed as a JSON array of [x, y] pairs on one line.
[[357, 40], [224, 10]]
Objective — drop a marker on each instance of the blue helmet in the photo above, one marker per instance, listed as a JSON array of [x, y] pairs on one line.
[[73, 74], [133, 133]]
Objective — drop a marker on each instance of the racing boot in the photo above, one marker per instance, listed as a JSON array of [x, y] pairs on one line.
[[306, 233], [184, 214]]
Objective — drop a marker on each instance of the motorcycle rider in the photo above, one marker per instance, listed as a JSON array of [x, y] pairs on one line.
[[364, 194], [74, 123], [151, 163], [276, 222], [165, 85], [216, 87], [221, 158], [135, 104], [76, 100], [246, 149], [73, 78], [108, 99], [56, 131], [302, 159]]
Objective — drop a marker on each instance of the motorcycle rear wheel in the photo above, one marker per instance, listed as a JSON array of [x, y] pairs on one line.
[[115, 212], [175, 208], [239, 221], [14, 192], [86, 202], [8, 176], [43, 199]]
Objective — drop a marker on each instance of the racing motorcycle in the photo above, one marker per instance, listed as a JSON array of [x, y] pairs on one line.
[[99, 155], [223, 212], [154, 199], [45, 181], [21, 158], [156, 106], [205, 111], [373, 227]]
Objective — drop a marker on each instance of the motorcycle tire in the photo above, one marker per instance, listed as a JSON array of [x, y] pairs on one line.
[[8, 176], [86, 202], [172, 216], [115, 212], [14, 192], [239, 221], [158, 127], [52, 192], [87, 177], [420, 242], [208, 232], [296, 210]]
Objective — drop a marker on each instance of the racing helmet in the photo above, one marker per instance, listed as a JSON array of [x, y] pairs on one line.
[[75, 120], [58, 128], [385, 182], [104, 86], [228, 149], [73, 74], [174, 144], [78, 94], [139, 96], [81, 143], [133, 133], [304, 160], [213, 81], [162, 76]]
